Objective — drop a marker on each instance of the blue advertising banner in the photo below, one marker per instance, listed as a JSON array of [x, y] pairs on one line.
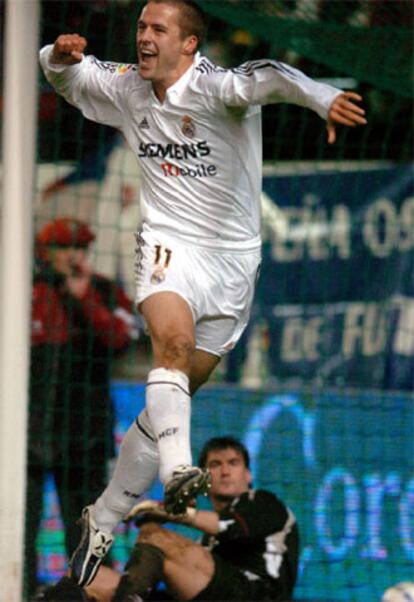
[[344, 463], [336, 292]]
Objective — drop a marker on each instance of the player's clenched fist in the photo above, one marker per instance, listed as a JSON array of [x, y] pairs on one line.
[[68, 49]]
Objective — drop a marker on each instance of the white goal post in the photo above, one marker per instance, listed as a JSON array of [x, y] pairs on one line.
[[18, 143]]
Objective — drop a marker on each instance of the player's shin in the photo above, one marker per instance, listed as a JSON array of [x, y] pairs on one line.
[[142, 572], [168, 404], [135, 471]]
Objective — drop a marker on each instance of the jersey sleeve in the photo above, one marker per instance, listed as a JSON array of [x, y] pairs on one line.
[[265, 82], [91, 85], [256, 514]]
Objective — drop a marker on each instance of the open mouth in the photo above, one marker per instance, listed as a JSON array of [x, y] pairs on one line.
[[147, 57]]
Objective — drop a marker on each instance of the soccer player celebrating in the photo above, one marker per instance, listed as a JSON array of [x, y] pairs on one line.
[[196, 131]]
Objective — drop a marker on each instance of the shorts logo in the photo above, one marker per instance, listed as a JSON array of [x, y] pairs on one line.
[[158, 275], [188, 128]]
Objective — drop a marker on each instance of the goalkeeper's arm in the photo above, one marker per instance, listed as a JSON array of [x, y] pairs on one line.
[[153, 511]]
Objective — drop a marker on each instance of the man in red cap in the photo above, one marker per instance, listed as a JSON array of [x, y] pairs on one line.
[[80, 321]]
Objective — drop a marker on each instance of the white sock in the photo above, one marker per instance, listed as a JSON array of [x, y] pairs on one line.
[[169, 408], [135, 471]]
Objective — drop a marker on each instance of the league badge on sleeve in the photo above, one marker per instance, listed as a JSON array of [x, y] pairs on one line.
[[122, 68]]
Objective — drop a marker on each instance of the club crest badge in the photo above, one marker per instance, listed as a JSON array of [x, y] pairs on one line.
[[158, 275], [188, 128]]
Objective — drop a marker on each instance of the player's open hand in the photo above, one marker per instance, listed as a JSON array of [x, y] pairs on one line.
[[345, 112], [68, 49]]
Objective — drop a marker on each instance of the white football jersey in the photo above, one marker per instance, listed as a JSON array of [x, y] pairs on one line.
[[200, 150]]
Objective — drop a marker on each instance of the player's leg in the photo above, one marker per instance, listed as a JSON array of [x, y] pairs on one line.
[[170, 324], [135, 471], [191, 572], [141, 573], [104, 585], [187, 568], [167, 432], [64, 589], [168, 401], [138, 460], [202, 365]]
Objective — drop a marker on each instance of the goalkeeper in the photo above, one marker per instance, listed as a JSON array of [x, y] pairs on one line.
[[196, 131], [249, 550]]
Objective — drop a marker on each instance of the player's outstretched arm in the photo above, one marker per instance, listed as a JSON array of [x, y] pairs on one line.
[[153, 511], [68, 49], [98, 93], [345, 112]]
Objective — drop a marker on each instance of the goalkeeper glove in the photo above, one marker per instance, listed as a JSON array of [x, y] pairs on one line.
[[152, 511]]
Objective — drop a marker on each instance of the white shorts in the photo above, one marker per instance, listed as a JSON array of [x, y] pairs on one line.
[[218, 286]]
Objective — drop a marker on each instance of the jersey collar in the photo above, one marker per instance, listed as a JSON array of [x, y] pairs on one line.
[[180, 85]]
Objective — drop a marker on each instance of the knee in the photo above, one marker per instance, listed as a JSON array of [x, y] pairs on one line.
[[178, 348], [175, 547], [153, 534], [196, 555], [150, 531]]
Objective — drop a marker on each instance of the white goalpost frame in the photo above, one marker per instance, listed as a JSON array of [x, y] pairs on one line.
[[18, 143]]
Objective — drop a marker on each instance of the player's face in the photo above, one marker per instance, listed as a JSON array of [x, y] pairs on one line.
[[163, 53], [229, 475], [65, 260]]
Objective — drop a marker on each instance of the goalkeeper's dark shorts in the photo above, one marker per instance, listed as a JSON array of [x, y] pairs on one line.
[[229, 583]]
